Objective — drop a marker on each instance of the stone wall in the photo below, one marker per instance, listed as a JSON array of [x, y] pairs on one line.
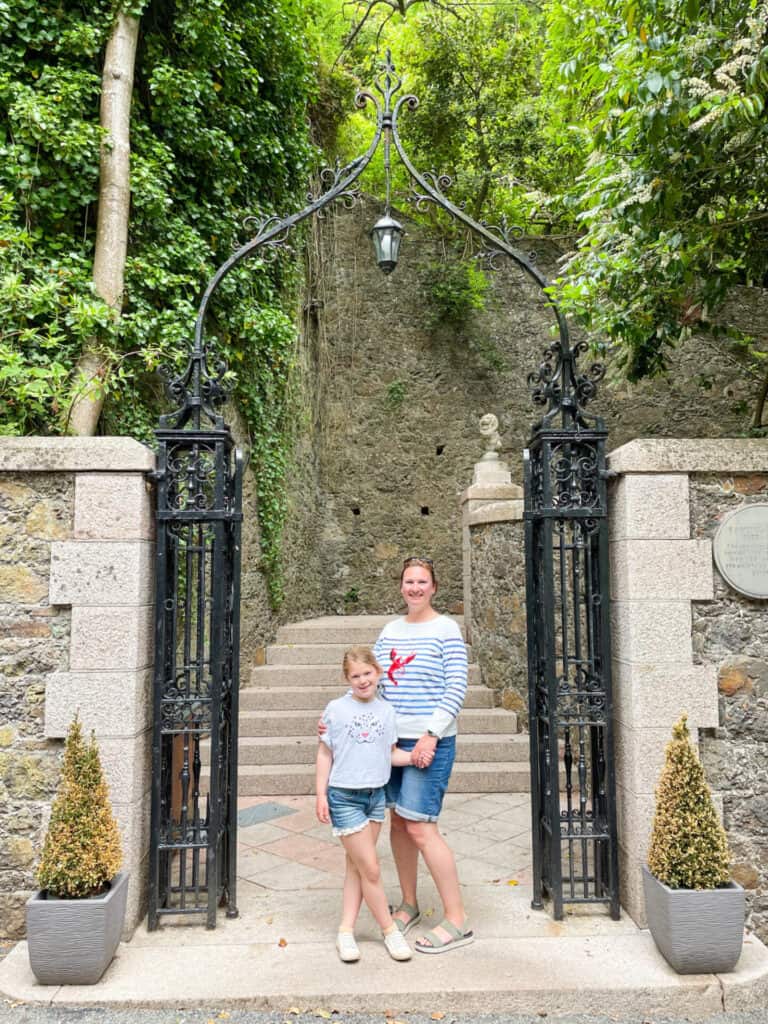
[[730, 633], [76, 596], [35, 510], [685, 642], [394, 403]]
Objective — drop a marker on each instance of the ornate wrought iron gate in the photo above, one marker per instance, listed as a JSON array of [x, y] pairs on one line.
[[194, 745], [569, 657], [194, 823]]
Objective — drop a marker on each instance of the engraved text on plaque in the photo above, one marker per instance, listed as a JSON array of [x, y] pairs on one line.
[[741, 550]]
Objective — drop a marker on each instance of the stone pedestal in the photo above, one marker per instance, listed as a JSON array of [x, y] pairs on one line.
[[494, 575], [101, 570]]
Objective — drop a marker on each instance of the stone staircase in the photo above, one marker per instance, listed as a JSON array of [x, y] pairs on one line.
[[281, 703]]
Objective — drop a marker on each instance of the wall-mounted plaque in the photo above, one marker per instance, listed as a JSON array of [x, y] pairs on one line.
[[740, 548]]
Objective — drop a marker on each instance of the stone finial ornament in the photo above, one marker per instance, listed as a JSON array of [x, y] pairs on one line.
[[489, 428]]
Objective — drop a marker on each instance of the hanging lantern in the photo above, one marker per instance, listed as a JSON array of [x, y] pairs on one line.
[[386, 234]]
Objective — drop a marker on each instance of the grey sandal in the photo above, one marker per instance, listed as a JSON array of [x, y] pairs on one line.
[[437, 945], [414, 916]]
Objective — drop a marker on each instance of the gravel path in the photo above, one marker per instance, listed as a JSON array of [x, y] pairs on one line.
[[21, 1014]]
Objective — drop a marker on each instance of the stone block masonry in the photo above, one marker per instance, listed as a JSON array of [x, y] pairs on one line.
[[76, 613], [683, 641]]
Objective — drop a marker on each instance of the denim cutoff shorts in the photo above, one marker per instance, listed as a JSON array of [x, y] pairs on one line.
[[417, 793], [352, 809]]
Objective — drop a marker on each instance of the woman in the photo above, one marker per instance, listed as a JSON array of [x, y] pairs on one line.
[[425, 679]]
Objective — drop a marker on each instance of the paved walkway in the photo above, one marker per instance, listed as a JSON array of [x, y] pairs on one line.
[[279, 954]]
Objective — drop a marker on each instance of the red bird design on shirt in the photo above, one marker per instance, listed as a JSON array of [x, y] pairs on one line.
[[398, 663]]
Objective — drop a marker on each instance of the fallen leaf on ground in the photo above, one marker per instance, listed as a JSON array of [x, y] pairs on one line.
[[438, 1015], [268, 920], [428, 913], [325, 1014], [223, 1015], [282, 943], [294, 1009], [513, 881]]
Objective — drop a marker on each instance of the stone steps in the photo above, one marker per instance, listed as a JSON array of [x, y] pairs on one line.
[[340, 629], [316, 675], [299, 779], [302, 672], [312, 654], [315, 698], [282, 750], [304, 723]]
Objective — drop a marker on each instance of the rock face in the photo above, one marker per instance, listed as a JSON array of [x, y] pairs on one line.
[[35, 509], [392, 406], [732, 633]]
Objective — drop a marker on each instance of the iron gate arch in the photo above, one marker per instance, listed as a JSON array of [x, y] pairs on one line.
[[199, 512]]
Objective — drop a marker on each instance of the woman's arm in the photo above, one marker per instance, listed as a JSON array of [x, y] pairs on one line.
[[322, 773]]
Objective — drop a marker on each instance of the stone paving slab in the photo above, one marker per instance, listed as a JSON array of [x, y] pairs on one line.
[[289, 888], [601, 974]]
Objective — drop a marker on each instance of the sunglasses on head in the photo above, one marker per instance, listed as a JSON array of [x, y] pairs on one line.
[[417, 558]]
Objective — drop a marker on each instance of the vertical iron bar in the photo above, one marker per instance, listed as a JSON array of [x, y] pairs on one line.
[[531, 585], [160, 664], [555, 847], [234, 641]]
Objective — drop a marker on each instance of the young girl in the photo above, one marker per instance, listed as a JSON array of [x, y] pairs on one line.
[[354, 759]]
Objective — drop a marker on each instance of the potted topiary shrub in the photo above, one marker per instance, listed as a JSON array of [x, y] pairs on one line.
[[695, 912], [75, 920]]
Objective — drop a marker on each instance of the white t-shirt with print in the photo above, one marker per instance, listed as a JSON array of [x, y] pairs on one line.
[[360, 735]]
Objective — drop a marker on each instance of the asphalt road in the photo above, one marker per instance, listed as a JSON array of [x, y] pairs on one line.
[[22, 1014]]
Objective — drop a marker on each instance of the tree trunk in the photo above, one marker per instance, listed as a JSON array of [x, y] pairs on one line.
[[112, 224]]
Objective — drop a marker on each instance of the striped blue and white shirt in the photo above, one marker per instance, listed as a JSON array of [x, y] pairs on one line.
[[425, 674]]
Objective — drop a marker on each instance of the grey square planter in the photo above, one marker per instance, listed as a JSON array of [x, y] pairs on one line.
[[697, 931], [71, 942]]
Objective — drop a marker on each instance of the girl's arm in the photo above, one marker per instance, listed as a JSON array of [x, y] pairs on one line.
[[322, 773], [400, 758]]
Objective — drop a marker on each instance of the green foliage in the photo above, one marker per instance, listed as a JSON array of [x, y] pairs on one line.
[[81, 852], [480, 118], [264, 396], [396, 391], [456, 289], [668, 101], [218, 133], [689, 848]]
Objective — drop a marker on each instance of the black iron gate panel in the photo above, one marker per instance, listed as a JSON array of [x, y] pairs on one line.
[[575, 857], [196, 679]]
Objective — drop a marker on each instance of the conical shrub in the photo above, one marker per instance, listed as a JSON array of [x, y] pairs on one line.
[[81, 852], [689, 848]]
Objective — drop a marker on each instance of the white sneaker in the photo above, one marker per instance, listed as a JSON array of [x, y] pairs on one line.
[[347, 947], [397, 946]]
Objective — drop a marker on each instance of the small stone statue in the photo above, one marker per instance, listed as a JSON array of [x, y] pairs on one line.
[[489, 428]]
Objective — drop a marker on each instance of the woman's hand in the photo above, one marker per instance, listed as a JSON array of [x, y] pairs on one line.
[[421, 760], [423, 753], [321, 809]]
